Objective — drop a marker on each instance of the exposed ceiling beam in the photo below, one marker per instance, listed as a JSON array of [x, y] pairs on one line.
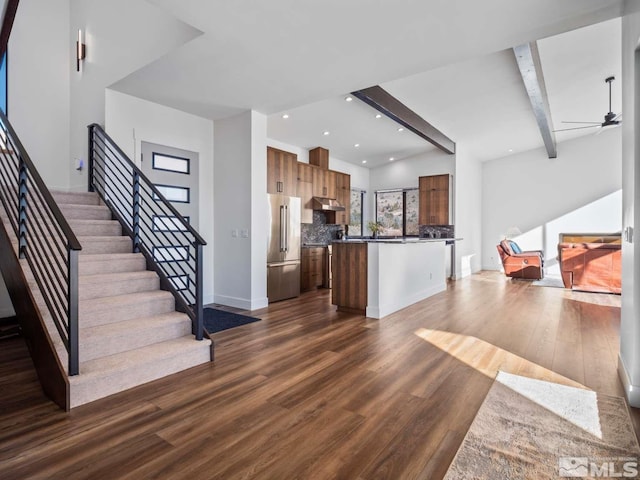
[[530, 67], [393, 108]]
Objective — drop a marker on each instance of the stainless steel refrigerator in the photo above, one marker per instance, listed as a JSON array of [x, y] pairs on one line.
[[283, 254]]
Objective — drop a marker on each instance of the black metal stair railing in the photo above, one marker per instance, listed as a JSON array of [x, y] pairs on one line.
[[45, 239], [172, 247]]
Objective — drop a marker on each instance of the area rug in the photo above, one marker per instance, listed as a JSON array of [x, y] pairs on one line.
[[217, 320], [532, 429], [549, 281]]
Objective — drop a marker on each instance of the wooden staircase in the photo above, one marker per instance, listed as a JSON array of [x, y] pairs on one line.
[[129, 330]]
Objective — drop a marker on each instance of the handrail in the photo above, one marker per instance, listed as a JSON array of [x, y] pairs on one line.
[[171, 246], [9, 16], [45, 238]]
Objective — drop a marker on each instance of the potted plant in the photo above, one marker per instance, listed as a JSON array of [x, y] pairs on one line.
[[375, 227]]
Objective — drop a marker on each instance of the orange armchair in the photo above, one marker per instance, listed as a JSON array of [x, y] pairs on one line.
[[519, 264]]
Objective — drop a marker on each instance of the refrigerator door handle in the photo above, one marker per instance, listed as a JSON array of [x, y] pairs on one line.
[[282, 249], [286, 228]]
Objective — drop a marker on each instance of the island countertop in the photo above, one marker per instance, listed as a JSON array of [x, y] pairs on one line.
[[397, 240]]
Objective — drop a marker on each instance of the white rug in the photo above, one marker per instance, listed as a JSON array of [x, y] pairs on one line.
[[533, 429]]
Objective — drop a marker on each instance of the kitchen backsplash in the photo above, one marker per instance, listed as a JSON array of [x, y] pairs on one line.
[[319, 231], [436, 231]]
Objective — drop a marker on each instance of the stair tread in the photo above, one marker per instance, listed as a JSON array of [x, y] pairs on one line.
[[125, 299], [116, 276], [92, 221], [150, 354], [112, 238], [141, 323], [108, 257]]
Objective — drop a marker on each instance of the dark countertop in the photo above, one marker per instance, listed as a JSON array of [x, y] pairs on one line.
[[397, 240], [313, 245]]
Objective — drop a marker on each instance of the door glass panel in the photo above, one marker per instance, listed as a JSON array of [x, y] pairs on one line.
[[170, 163], [173, 194]]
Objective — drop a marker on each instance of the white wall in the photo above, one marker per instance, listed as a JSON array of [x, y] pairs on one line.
[[130, 121], [468, 213], [38, 86], [240, 198], [404, 174], [121, 37], [577, 192], [629, 364]]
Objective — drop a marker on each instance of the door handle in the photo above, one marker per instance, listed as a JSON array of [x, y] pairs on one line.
[[282, 228], [286, 228]]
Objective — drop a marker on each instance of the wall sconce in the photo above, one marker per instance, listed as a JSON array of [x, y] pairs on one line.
[[81, 51]]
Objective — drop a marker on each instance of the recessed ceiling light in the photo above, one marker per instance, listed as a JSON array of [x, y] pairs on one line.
[[356, 145], [326, 132], [364, 161], [378, 115], [348, 99], [285, 116], [391, 159], [401, 129], [510, 150]]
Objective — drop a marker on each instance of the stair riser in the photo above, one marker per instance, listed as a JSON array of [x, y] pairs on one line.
[[110, 289], [118, 245], [136, 375], [90, 316], [112, 229], [102, 213], [92, 347], [134, 264], [76, 198]]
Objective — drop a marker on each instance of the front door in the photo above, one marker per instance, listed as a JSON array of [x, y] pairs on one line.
[[175, 173]]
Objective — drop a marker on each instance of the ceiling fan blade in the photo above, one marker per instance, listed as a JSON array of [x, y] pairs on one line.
[[594, 123], [576, 128]]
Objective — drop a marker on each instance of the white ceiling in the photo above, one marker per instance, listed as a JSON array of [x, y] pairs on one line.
[[446, 59]]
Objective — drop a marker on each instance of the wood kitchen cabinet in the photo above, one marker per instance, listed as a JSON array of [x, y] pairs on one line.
[[319, 157], [282, 172], [313, 268], [324, 183], [305, 192], [343, 195], [434, 200]]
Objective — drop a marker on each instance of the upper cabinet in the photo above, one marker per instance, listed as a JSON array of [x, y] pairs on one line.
[[324, 183], [282, 172], [319, 157], [305, 191], [343, 195], [434, 200]]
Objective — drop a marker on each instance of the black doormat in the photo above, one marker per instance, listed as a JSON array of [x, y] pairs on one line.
[[217, 320]]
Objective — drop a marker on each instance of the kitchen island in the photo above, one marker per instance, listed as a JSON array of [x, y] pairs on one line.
[[379, 277]]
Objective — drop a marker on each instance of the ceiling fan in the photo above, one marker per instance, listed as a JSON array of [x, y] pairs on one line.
[[610, 119]]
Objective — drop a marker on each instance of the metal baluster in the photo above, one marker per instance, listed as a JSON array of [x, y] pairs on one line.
[[22, 207], [74, 349], [199, 333], [136, 212]]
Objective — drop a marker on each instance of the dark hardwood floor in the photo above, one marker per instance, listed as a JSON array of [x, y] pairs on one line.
[[311, 393]]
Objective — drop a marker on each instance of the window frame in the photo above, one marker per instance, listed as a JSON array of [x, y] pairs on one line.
[[362, 195], [404, 210]]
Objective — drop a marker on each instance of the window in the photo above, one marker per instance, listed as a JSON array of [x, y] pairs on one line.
[[355, 216], [397, 211], [173, 193], [3, 83], [169, 163]]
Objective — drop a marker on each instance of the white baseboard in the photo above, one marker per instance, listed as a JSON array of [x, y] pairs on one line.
[[243, 303], [631, 391]]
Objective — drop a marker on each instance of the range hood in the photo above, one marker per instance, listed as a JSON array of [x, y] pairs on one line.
[[327, 204]]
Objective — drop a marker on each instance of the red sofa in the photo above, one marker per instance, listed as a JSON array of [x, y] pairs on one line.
[[591, 266]]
